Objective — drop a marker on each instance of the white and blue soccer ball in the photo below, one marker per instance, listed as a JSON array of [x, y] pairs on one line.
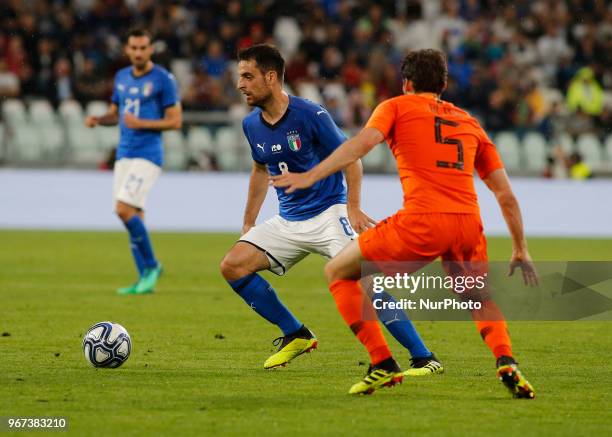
[[107, 344]]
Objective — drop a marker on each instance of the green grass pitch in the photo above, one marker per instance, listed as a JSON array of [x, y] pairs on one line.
[[198, 351]]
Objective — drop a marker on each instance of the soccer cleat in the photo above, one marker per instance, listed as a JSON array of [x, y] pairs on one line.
[[291, 346], [509, 374], [424, 366], [127, 290], [149, 280], [385, 374]]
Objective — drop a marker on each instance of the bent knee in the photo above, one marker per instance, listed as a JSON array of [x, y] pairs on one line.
[[125, 212], [232, 268], [330, 272]]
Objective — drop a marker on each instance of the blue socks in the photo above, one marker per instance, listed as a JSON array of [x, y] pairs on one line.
[[140, 244], [401, 327], [260, 296], [138, 259]]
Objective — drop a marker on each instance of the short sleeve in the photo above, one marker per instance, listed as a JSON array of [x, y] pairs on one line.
[[383, 117], [328, 134], [169, 94], [246, 135], [487, 158]]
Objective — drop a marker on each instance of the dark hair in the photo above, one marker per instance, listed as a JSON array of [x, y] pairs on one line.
[[426, 69], [138, 32], [267, 57]]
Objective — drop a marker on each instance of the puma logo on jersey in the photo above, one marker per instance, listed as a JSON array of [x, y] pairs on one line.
[[261, 146]]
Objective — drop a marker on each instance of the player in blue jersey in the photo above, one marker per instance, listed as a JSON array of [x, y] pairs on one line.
[[288, 133], [144, 103]]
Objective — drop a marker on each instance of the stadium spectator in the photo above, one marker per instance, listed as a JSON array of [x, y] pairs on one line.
[[578, 169], [354, 44], [9, 82], [585, 93], [215, 62], [91, 84], [63, 81]]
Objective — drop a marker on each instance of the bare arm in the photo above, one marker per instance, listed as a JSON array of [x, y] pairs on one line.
[[349, 152], [258, 188], [497, 181], [173, 119], [359, 220], [111, 118]]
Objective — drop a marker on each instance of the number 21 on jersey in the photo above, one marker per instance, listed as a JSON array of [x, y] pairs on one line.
[[132, 106]]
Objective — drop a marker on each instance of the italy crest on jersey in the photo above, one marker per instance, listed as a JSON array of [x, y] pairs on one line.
[[293, 138], [147, 89]]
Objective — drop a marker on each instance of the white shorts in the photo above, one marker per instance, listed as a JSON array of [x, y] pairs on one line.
[[287, 242], [133, 180]]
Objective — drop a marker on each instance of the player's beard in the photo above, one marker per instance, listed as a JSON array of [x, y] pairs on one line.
[[140, 65], [262, 101]]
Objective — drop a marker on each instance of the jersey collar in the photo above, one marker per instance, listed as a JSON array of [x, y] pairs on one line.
[[280, 120], [144, 75]]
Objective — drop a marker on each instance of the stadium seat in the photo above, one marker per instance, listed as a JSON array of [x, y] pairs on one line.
[[566, 142], [310, 91], [509, 150], [52, 141], [41, 113], [84, 146], [608, 147], [535, 151], [245, 159], [175, 155], [376, 160], [228, 154], [2, 142], [108, 136], [13, 112], [589, 146], [199, 140], [96, 108], [71, 113], [25, 145]]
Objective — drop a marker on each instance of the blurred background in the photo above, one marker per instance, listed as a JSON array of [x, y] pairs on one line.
[[538, 74]]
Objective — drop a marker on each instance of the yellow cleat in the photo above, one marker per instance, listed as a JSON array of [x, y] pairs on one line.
[[291, 346], [384, 374], [509, 374], [424, 366]]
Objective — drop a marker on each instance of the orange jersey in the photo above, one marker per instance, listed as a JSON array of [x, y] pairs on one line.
[[437, 147]]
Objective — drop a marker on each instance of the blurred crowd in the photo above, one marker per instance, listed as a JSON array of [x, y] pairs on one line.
[[520, 65]]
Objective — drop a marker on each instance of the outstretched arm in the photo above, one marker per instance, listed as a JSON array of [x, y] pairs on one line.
[[359, 220], [499, 184], [111, 118], [349, 152], [173, 119]]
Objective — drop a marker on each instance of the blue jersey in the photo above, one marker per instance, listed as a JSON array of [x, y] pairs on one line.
[[146, 97], [302, 138]]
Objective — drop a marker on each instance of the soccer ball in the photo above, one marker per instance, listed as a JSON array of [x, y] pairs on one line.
[[107, 344]]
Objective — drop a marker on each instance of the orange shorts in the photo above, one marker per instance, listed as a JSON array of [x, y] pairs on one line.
[[424, 237]]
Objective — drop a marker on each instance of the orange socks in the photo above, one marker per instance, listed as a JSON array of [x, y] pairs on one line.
[[352, 304], [493, 329]]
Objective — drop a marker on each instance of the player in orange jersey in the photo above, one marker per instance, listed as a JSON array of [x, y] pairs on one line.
[[437, 147]]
